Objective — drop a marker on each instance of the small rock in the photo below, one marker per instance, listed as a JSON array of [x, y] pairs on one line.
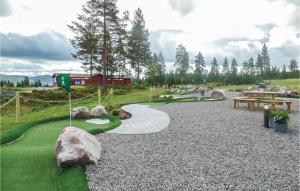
[[75, 146], [98, 111], [80, 113]]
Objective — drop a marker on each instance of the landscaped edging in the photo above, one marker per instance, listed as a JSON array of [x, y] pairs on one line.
[[21, 129]]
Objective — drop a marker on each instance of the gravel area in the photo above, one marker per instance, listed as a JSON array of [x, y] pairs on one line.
[[207, 146]]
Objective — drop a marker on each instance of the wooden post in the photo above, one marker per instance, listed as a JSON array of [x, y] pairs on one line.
[[111, 93], [149, 94], [17, 107], [99, 95]]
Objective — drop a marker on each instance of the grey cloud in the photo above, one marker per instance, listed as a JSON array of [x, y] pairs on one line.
[[5, 9], [282, 55], [294, 19], [279, 56], [184, 7], [19, 67], [46, 45], [225, 41], [266, 28], [161, 42]]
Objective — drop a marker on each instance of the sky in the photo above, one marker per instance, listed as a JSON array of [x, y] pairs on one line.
[[34, 36]]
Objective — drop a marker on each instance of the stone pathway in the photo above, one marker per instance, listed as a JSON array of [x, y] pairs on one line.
[[144, 120]]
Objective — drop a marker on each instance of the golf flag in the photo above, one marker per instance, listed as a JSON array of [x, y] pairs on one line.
[[63, 80]]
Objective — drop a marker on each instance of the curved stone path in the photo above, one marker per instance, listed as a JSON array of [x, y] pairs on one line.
[[207, 146], [144, 120]]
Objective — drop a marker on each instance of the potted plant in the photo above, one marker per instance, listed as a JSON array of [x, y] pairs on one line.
[[281, 119]]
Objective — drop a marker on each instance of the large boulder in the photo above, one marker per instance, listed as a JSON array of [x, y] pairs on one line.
[[215, 94], [75, 146], [98, 111], [80, 113]]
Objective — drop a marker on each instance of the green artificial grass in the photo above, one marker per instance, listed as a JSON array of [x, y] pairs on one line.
[[29, 163]]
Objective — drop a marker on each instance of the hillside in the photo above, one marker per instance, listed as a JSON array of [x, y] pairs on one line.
[[45, 79]]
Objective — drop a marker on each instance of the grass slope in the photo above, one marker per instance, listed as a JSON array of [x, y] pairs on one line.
[[29, 163]]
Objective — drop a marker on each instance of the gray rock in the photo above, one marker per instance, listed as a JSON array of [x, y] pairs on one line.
[[80, 113], [217, 94], [98, 111], [75, 146]]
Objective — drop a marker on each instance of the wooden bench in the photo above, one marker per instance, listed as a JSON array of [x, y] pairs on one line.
[[238, 100], [278, 102], [251, 102]]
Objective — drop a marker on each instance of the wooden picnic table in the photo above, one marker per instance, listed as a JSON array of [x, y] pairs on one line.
[[259, 97], [263, 93]]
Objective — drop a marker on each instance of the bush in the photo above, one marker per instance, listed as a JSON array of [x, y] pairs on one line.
[[280, 116]]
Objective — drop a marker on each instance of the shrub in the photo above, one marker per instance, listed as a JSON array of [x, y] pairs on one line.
[[280, 116]]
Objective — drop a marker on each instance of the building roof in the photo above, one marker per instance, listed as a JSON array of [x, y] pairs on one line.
[[88, 76], [74, 75]]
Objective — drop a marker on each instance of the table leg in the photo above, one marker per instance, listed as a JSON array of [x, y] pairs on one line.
[[273, 99]]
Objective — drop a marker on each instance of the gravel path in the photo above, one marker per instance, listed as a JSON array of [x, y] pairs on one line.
[[207, 146]]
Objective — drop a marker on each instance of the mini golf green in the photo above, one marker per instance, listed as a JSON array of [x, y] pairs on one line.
[[29, 163]]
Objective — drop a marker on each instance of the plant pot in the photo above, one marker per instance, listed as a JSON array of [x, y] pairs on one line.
[[271, 122], [282, 128]]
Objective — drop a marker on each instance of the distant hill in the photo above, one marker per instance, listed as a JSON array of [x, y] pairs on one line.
[[45, 79]]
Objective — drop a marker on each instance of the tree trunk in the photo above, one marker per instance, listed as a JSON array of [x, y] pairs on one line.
[[104, 56], [91, 65]]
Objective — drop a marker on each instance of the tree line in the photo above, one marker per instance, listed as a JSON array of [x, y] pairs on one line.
[[251, 71], [23, 83], [106, 44]]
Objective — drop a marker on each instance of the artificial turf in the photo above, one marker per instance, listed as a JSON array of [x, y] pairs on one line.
[[29, 163]]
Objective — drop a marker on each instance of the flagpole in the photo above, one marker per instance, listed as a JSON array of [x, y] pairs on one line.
[[70, 108]]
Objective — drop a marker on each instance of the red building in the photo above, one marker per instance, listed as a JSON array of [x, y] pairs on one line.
[[96, 79]]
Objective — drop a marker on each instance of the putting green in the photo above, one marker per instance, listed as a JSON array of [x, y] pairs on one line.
[[29, 163]]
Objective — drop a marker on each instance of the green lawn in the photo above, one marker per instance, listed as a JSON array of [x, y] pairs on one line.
[[28, 114], [29, 163], [292, 84]]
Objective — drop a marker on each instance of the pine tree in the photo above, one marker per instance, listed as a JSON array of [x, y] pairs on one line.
[[161, 68], [199, 67], [214, 70], [106, 14], [121, 50], [225, 67], [233, 67], [138, 45], [86, 39], [245, 68], [251, 66], [293, 67], [182, 62], [259, 65], [266, 61], [283, 72]]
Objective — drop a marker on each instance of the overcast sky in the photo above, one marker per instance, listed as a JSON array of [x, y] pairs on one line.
[[34, 36]]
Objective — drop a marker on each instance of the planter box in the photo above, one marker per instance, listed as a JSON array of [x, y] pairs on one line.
[[271, 122], [282, 128]]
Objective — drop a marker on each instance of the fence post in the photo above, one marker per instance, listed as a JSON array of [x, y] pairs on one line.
[[99, 95], [149, 93], [111, 93], [17, 107]]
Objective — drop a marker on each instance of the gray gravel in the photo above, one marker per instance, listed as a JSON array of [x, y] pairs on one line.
[[208, 146]]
